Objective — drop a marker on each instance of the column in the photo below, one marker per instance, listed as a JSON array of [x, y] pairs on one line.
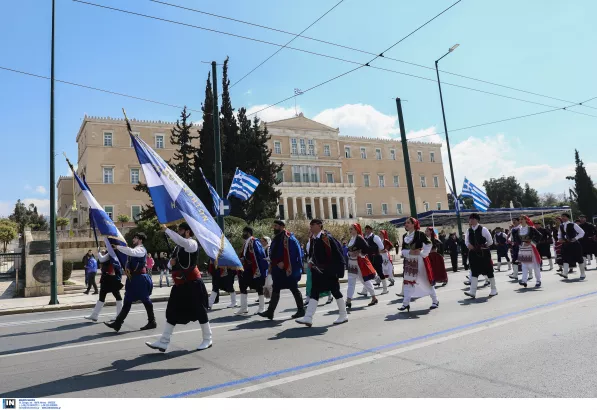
[[294, 210], [278, 208], [331, 214], [304, 207], [321, 207], [338, 207], [286, 208], [313, 212], [354, 206], [346, 211]]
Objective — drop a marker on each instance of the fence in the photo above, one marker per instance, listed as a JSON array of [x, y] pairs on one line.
[[10, 263]]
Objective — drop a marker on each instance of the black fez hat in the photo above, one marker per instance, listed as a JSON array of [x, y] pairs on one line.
[[566, 215], [248, 229], [186, 227], [368, 227], [474, 215], [316, 221], [140, 235], [279, 222]]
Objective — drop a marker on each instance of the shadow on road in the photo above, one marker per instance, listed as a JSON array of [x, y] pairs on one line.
[[258, 324], [119, 373], [470, 301], [300, 332], [413, 314], [72, 326]]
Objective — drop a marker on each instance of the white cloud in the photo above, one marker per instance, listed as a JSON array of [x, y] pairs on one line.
[[273, 113], [40, 190], [43, 205], [359, 120]]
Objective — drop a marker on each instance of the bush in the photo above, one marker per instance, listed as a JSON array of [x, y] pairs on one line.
[[67, 270]]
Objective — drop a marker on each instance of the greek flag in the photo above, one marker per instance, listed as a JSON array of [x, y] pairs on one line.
[[99, 219], [214, 194], [243, 185], [457, 204], [174, 201], [480, 198]]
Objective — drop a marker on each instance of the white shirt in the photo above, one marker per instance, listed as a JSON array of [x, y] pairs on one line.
[[138, 251], [579, 231], [246, 246], [314, 237], [424, 252], [377, 241], [103, 258], [485, 233], [190, 245]]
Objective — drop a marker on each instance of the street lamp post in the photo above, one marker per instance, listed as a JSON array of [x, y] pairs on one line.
[[458, 220], [53, 272]]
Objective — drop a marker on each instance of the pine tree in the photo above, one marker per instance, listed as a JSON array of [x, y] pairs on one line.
[[205, 156], [530, 197], [584, 190], [182, 138]]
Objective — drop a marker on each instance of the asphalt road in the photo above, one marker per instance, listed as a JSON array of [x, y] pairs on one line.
[[522, 343]]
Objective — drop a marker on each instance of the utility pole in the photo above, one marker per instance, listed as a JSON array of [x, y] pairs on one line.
[[217, 144], [409, 178], [53, 275]]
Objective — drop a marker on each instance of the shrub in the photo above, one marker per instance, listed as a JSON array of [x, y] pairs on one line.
[[67, 270]]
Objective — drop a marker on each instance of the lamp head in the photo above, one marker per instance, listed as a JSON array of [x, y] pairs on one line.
[[454, 47]]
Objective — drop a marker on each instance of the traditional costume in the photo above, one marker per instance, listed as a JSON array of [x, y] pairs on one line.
[[188, 300], [478, 239], [418, 275], [572, 253], [138, 287], [374, 253], [588, 241], [515, 242], [309, 274], [388, 264], [327, 266], [501, 242], [285, 250], [221, 279], [360, 267], [528, 254], [254, 274], [110, 282], [438, 265], [544, 246]]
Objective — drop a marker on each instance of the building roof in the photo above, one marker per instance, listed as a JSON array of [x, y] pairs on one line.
[[300, 122]]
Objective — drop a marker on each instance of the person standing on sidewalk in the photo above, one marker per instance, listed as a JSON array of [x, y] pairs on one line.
[[90, 272], [139, 285], [150, 263], [162, 264]]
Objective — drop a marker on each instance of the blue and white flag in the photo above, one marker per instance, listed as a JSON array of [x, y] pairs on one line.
[[214, 195], [174, 201], [98, 218], [480, 198], [243, 185], [457, 204]]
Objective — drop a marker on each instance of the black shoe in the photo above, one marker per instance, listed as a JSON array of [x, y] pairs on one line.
[[538, 284], [114, 325], [373, 302], [267, 315], [403, 308], [86, 292], [299, 313], [95, 293], [392, 282], [521, 283], [434, 305], [348, 304], [150, 325]]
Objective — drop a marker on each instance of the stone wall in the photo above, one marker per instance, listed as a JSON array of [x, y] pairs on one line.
[[37, 265]]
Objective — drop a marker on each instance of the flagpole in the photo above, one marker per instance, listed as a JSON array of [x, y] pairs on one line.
[[217, 145], [53, 273]]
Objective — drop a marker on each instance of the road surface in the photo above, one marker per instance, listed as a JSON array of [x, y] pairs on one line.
[[522, 343]]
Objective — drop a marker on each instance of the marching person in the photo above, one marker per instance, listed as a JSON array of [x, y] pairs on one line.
[[327, 265], [515, 241], [388, 264], [221, 279], [418, 275], [266, 242], [309, 284], [501, 242], [572, 252], [478, 240], [589, 246], [452, 246], [139, 285], [528, 255], [359, 265], [110, 282], [188, 297], [436, 258], [376, 248], [558, 244], [544, 245], [285, 268], [255, 271]]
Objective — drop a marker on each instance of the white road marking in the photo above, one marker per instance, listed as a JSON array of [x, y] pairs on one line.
[[380, 355]]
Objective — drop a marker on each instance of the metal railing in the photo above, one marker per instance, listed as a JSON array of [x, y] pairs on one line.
[[10, 263]]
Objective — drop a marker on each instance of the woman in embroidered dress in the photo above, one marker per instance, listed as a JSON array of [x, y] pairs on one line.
[[387, 263], [359, 266], [438, 265], [418, 275], [528, 255]]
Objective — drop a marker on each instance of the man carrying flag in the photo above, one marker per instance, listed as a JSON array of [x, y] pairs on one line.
[[188, 300], [138, 283]]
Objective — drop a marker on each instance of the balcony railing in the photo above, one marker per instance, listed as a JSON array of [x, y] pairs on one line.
[[317, 184]]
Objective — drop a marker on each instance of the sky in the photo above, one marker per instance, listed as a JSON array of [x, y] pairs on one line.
[[542, 46]]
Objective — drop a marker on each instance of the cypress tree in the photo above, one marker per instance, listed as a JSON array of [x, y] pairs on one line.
[[584, 190], [205, 156], [183, 138]]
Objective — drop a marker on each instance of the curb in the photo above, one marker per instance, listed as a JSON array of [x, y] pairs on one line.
[[89, 305]]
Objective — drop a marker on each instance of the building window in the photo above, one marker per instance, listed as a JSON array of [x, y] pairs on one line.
[[110, 211], [432, 156], [366, 180], [436, 181], [382, 181], [136, 134], [296, 174], [329, 177], [314, 174], [277, 147], [350, 178], [439, 206], [135, 176], [419, 156], [108, 175], [306, 175], [423, 182], [363, 153], [311, 147], [378, 153], [135, 211], [369, 209], [396, 181], [280, 177], [326, 151], [384, 209], [347, 152], [159, 141], [107, 139], [399, 209], [303, 146], [426, 206], [393, 154], [294, 146]]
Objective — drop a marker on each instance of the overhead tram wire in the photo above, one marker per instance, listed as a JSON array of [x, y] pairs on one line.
[[285, 45], [333, 57], [364, 52]]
